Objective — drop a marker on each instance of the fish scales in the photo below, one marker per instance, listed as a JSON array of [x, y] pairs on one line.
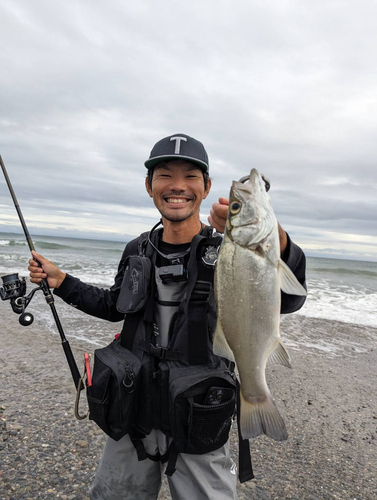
[[255, 306], [248, 278]]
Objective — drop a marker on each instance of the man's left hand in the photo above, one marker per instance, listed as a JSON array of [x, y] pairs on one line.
[[218, 214]]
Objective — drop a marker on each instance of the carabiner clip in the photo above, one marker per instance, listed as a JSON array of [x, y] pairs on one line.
[[128, 380], [77, 413], [80, 386]]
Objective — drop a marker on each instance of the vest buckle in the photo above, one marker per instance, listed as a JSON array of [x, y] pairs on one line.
[[159, 352]]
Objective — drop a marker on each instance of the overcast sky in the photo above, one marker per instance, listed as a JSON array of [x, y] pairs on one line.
[[286, 86]]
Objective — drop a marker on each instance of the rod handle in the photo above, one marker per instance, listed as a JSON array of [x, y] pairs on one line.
[[72, 364]]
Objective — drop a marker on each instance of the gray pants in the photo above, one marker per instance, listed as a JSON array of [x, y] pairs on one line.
[[120, 476]]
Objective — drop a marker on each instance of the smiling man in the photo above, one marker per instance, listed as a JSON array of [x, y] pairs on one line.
[[178, 188], [183, 410]]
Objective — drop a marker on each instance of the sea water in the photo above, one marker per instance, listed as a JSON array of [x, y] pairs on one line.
[[342, 290]]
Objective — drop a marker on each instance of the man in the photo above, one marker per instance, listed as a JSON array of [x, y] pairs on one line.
[[170, 332]]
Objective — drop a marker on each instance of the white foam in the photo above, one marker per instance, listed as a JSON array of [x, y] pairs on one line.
[[3, 243], [76, 324], [341, 303], [104, 279]]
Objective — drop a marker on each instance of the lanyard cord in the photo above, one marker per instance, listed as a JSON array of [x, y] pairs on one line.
[[171, 256]]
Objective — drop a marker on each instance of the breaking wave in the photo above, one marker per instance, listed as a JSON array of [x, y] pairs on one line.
[[12, 243], [345, 303], [51, 246]]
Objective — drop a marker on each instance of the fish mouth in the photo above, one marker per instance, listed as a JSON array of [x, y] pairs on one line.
[[265, 179], [251, 223]]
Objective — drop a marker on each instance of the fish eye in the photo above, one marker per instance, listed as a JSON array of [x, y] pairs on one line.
[[235, 207]]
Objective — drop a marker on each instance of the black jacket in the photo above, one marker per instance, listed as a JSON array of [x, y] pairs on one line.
[[191, 340], [101, 302]]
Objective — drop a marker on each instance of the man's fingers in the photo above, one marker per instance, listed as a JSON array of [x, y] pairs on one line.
[[38, 275], [36, 280], [36, 272], [224, 201], [214, 220], [38, 256], [220, 211], [34, 266]]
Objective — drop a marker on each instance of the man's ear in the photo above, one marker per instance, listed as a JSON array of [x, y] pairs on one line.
[[148, 188], [206, 192]]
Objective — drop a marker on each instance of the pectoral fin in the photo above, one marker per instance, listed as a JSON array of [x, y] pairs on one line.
[[220, 344], [279, 357], [288, 281]]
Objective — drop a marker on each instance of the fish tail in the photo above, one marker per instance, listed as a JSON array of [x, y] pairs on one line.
[[262, 418]]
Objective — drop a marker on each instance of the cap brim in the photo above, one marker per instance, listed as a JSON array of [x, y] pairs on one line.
[[152, 162]]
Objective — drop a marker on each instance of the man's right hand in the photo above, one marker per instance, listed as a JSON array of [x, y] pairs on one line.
[[54, 276]]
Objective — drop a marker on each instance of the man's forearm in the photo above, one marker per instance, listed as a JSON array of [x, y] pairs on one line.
[[98, 302]]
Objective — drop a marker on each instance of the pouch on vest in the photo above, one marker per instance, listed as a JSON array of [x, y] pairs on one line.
[[134, 292], [202, 405], [112, 397]]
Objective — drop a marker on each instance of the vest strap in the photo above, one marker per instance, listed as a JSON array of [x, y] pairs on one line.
[[172, 455], [199, 288], [136, 439], [127, 335], [142, 454], [160, 352], [245, 468], [197, 332]]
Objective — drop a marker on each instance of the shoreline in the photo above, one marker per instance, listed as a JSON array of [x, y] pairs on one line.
[[328, 401]]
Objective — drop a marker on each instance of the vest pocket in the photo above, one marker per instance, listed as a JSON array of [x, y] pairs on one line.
[[209, 425], [113, 394], [134, 292], [202, 406]]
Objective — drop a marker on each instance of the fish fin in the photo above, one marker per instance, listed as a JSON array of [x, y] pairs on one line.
[[280, 356], [220, 344], [288, 281], [261, 418]]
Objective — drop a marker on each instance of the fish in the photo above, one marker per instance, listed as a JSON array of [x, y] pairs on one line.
[[249, 275]]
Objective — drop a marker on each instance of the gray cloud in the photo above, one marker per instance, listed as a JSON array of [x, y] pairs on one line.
[[289, 88]]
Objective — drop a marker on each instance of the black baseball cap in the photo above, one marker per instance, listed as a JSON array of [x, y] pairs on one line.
[[179, 147]]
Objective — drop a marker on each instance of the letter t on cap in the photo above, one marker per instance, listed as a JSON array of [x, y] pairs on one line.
[[178, 140]]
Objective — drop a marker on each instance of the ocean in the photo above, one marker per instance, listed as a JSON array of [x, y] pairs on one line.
[[342, 290]]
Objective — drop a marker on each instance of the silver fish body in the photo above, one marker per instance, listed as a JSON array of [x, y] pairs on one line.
[[248, 279]]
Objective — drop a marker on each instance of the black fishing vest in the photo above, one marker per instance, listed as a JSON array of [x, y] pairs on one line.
[[191, 335], [183, 389]]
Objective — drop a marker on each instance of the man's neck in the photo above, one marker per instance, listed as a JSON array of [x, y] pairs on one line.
[[177, 233]]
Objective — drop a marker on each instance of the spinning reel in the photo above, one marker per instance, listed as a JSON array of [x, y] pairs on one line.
[[15, 291]]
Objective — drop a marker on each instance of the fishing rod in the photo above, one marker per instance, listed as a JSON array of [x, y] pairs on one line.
[[15, 290]]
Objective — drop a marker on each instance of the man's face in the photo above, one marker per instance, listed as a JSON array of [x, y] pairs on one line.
[[177, 189]]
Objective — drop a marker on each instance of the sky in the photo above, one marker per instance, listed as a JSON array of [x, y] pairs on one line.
[[287, 86]]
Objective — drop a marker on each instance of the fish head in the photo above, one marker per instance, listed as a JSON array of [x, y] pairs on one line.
[[251, 218]]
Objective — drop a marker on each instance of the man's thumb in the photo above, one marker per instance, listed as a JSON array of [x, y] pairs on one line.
[[224, 201], [37, 256]]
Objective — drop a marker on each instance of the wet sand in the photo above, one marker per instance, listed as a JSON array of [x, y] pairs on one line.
[[328, 401]]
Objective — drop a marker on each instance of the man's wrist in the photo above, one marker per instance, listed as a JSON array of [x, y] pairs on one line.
[[61, 278], [283, 240]]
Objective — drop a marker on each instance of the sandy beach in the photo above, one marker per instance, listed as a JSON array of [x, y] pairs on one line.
[[328, 401]]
